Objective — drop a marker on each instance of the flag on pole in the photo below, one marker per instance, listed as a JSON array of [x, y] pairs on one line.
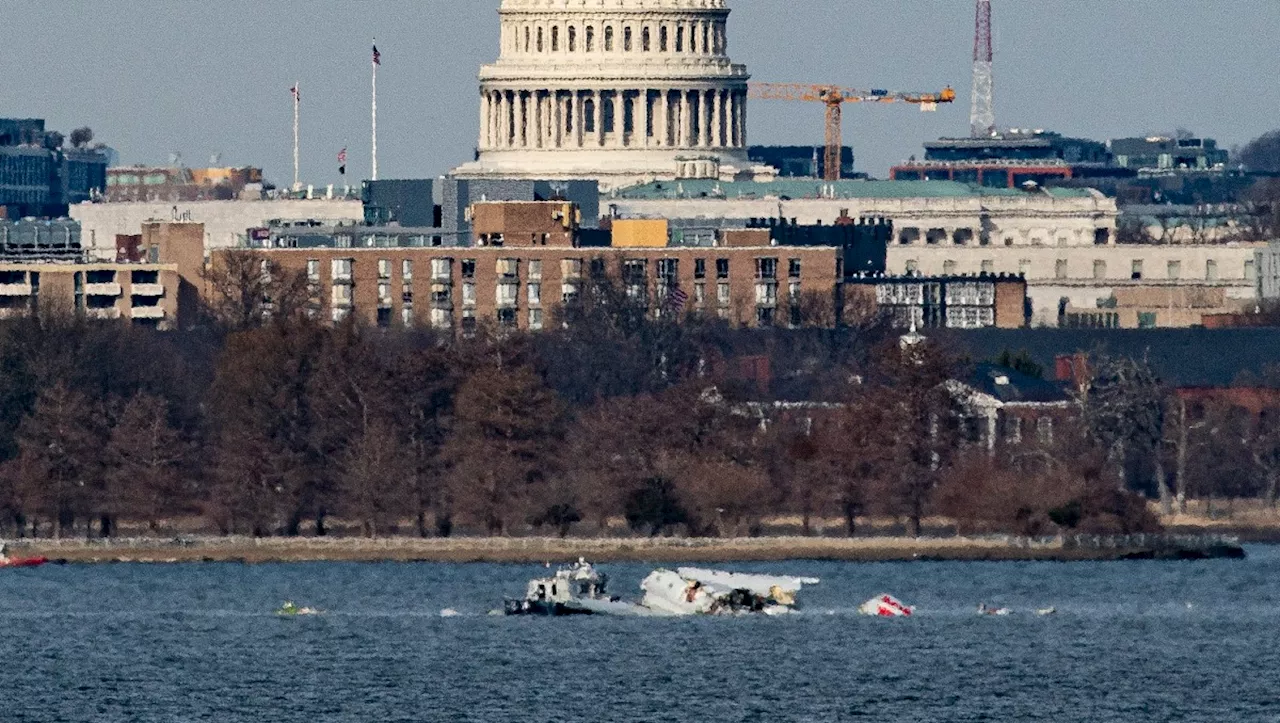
[[342, 162], [676, 298], [377, 57], [296, 97]]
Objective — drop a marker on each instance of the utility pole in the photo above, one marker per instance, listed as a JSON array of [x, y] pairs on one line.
[[377, 60], [982, 118], [297, 183]]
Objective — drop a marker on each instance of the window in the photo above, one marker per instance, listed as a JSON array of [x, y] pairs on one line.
[[526, 40], [948, 267], [722, 294], [384, 268], [909, 236], [988, 266], [766, 268], [635, 271], [555, 39], [1250, 271], [573, 39], [935, 236], [1136, 273], [384, 317], [442, 269], [341, 295], [468, 294], [441, 318], [626, 39], [571, 268], [962, 237], [535, 319], [568, 292], [722, 268], [644, 40], [764, 315], [589, 116], [341, 269], [669, 272], [535, 269], [507, 318], [680, 39], [1044, 430], [1147, 320], [406, 270], [468, 268], [1211, 270], [591, 39], [406, 317], [1099, 269], [699, 294], [793, 268], [340, 313], [793, 291], [912, 266], [535, 294], [508, 267], [1013, 429], [384, 294], [507, 294], [313, 270], [662, 39], [766, 294], [1060, 269], [699, 268], [1175, 270]]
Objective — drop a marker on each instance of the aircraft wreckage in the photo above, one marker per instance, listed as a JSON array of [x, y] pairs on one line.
[[579, 589]]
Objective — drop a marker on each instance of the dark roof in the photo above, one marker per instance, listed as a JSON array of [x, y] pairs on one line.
[[1181, 357], [1009, 385]]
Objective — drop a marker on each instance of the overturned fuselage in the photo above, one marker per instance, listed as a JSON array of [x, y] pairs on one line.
[[695, 591]]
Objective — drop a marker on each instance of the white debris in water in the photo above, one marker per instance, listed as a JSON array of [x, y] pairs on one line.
[[450, 613]]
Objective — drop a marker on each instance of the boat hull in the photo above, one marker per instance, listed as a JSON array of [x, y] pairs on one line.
[[24, 562]]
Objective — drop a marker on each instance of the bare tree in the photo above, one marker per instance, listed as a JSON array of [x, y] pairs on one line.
[[144, 457], [247, 290]]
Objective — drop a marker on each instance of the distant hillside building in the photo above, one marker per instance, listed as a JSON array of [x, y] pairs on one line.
[[39, 177], [1008, 160], [142, 183], [1162, 153], [801, 161]]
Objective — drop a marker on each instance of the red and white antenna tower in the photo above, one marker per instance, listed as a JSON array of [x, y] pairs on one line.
[[982, 119]]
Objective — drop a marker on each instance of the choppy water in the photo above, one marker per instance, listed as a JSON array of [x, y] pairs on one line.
[[1143, 641]]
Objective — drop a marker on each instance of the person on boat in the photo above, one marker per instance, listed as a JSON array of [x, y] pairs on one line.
[[4, 552]]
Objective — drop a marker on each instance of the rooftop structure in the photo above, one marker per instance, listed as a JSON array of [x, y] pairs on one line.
[[1162, 153], [1009, 160], [178, 183], [621, 91]]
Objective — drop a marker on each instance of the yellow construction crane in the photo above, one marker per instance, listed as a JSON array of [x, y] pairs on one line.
[[834, 97]]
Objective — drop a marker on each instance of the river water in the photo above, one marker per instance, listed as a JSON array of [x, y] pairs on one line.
[[1139, 641]]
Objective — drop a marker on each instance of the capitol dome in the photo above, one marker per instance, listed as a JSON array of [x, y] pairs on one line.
[[624, 91]]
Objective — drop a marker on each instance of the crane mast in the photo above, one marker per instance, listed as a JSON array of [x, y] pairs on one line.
[[834, 97]]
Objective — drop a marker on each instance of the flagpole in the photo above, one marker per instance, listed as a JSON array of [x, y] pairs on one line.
[[375, 114], [296, 97]]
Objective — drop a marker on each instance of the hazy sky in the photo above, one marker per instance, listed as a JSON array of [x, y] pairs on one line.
[[212, 76]]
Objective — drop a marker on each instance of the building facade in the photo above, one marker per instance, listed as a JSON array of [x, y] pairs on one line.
[[39, 177], [622, 91]]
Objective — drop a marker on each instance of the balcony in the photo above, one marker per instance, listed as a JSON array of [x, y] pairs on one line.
[[107, 289], [110, 312], [147, 289], [143, 312], [23, 289]]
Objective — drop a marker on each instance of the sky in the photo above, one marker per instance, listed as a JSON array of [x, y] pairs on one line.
[[206, 77]]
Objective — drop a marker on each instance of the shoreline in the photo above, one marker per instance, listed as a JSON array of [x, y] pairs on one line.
[[612, 550]]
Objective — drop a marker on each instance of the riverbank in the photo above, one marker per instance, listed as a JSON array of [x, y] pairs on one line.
[[658, 550]]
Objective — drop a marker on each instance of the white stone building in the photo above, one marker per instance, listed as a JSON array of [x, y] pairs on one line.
[[623, 91], [225, 222], [1063, 241]]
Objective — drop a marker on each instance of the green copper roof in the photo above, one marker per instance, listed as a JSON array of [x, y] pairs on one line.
[[810, 188]]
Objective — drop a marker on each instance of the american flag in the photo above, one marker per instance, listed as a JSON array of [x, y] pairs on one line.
[[342, 161], [296, 96], [377, 57], [676, 298]]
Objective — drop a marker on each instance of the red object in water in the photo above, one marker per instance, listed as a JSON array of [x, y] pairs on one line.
[[24, 562]]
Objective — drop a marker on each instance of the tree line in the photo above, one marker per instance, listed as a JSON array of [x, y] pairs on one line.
[[263, 421]]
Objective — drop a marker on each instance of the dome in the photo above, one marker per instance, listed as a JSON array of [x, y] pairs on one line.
[[618, 90]]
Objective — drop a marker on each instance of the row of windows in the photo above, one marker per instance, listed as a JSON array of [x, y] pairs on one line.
[[967, 237], [442, 268], [699, 38], [1173, 269]]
